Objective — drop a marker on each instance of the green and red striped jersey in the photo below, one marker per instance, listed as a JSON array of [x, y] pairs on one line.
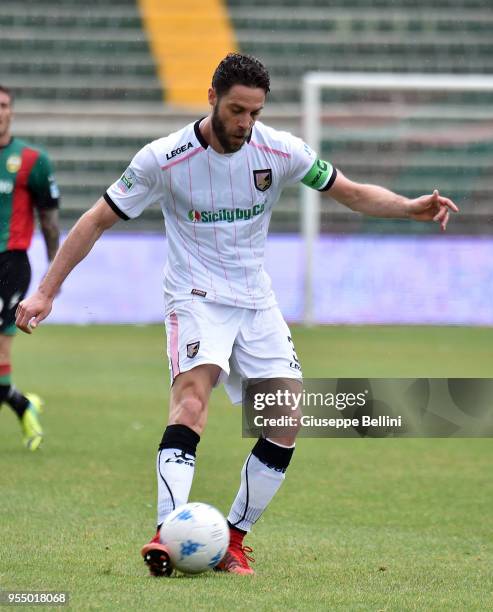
[[26, 182]]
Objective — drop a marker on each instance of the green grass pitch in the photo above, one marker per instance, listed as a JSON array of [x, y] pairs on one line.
[[358, 524]]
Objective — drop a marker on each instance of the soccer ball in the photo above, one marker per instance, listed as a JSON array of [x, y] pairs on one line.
[[196, 536]]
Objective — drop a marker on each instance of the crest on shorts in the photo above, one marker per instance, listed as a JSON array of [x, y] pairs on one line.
[[192, 349], [262, 179]]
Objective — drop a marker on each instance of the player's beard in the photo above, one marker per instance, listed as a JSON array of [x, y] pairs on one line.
[[222, 136]]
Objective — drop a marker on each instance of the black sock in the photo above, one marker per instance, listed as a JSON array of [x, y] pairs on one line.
[[180, 437], [4, 391], [14, 399]]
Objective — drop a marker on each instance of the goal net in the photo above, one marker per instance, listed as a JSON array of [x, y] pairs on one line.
[[408, 132]]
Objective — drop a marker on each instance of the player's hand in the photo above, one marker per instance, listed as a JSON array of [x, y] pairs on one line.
[[432, 207], [31, 311]]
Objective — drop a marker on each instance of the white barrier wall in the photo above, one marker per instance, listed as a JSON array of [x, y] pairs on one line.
[[359, 279]]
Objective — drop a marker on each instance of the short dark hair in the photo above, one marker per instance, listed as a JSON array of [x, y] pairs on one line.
[[240, 69], [9, 92]]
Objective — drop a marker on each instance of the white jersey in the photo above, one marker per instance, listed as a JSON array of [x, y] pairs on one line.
[[217, 209]]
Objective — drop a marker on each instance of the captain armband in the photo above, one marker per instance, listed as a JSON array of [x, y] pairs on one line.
[[321, 176]]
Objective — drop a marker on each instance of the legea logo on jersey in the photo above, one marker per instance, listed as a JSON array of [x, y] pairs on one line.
[[179, 151], [226, 215]]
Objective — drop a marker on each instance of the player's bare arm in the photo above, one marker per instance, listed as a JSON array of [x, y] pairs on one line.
[[78, 244], [48, 221], [377, 201]]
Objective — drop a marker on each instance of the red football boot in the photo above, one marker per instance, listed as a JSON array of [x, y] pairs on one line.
[[236, 558], [157, 558]]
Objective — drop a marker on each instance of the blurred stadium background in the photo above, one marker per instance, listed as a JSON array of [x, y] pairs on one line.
[[97, 80]]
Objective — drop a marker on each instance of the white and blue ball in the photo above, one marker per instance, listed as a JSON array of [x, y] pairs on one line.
[[196, 536]]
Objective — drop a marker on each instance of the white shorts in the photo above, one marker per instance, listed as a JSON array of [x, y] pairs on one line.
[[244, 343]]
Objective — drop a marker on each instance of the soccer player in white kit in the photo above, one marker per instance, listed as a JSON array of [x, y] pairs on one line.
[[217, 181]]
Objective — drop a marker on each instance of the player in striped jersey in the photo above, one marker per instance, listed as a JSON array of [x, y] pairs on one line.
[[217, 181], [26, 183]]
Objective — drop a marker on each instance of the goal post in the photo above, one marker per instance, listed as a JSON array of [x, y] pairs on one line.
[[313, 84]]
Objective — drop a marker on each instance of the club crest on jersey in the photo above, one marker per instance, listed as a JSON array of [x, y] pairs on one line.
[[13, 163], [262, 179], [192, 349]]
